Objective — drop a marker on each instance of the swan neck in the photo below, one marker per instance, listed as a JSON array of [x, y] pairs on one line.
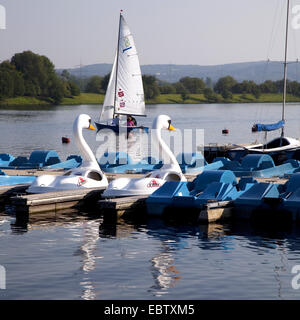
[[167, 155], [85, 150]]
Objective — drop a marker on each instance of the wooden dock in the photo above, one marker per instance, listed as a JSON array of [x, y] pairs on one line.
[[32, 172], [91, 198], [216, 211], [55, 201], [136, 206], [7, 191], [117, 207]]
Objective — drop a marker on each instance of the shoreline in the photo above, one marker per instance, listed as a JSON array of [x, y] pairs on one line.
[[93, 98]]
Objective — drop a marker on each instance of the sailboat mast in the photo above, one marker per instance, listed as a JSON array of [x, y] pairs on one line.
[[117, 65], [285, 64]]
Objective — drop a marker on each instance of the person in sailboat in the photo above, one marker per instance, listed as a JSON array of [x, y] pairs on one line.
[[116, 121], [131, 122], [134, 121]]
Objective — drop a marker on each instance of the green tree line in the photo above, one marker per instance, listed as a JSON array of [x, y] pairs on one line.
[[29, 74], [224, 88]]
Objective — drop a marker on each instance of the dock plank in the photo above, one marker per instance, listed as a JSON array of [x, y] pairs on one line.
[[117, 207], [54, 201], [120, 206], [216, 211]]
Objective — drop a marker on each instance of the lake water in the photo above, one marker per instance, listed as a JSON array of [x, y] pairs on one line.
[[23, 131], [73, 256]]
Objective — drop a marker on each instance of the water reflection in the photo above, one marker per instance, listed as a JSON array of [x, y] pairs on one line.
[[90, 236], [165, 253], [171, 239], [117, 229], [25, 222], [3, 221], [164, 270], [279, 239], [163, 264]]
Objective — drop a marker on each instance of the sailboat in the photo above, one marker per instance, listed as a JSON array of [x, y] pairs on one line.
[[125, 93], [280, 144]]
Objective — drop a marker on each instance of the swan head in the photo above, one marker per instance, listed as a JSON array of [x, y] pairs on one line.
[[83, 121], [163, 122]]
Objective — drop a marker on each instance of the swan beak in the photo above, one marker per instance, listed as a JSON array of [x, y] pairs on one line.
[[171, 128], [91, 127]]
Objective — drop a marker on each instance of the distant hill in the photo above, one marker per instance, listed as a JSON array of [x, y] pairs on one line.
[[256, 71]]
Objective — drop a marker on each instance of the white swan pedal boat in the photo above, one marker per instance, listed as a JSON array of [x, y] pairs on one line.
[[88, 175], [170, 171]]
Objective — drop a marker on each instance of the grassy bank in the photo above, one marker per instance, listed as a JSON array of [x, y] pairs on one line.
[[84, 98], [92, 98], [23, 101], [236, 98]]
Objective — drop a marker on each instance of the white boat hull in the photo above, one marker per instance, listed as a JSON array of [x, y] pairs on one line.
[[126, 187], [51, 183], [290, 144]]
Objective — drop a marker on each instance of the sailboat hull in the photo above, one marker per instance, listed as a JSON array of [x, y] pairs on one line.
[[118, 129]]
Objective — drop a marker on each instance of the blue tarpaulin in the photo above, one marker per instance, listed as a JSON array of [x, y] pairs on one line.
[[268, 127]]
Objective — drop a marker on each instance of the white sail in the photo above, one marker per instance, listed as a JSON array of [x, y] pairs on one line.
[[129, 91], [109, 100], [125, 92]]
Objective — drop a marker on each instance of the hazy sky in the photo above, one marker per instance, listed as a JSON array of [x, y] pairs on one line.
[[203, 32]]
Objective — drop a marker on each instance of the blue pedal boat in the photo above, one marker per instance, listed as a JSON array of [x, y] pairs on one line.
[[72, 162], [257, 165], [37, 159], [261, 197], [121, 162], [291, 197], [271, 197], [195, 163], [47, 159], [209, 186], [6, 159], [6, 180]]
